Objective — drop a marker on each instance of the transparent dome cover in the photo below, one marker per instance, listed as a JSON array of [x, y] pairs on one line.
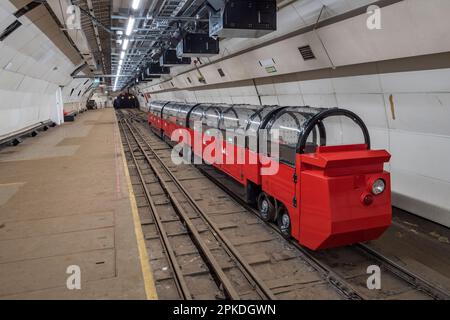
[[156, 107], [289, 130]]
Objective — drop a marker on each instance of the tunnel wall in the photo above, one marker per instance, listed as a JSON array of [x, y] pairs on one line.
[[32, 69]]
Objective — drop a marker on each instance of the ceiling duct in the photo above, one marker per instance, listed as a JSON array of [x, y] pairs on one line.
[[197, 45], [147, 75], [96, 23], [155, 68], [169, 58], [242, 18]]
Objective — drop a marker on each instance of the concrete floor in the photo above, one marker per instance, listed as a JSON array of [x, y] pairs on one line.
[[64, 200]]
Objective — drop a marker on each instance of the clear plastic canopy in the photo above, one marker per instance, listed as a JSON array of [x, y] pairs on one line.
[[156, 107], [301, 130], [289, 130]]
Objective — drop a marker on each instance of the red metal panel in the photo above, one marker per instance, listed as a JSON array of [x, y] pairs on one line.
[[233, 161], [169, 126], [150, 122], [281, 184], [332, 212], [252, 167]]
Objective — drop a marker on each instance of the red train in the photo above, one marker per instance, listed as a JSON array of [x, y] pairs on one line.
[[328, 188]]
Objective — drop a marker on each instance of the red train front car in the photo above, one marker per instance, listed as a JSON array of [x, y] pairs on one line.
[[309, 170], [345, 196]]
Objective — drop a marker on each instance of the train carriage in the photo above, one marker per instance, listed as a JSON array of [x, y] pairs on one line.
[[203, 121], [235, 157], [332, 187], [315, 176], [169, 118], [155, 116]]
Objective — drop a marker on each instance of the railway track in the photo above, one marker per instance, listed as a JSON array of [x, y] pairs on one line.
[[350, 263], [189, 240], [254, 259], [337, 273]]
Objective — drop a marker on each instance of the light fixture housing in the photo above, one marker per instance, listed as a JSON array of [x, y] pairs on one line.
[[378, 186]]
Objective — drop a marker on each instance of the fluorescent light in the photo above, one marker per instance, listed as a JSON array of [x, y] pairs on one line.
[[135, 4], [122, 55], [125, 44], [130, 26], [120, 62], [117, 79]]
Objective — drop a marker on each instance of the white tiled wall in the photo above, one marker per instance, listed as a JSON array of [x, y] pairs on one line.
[[31, 70], [418, 138]]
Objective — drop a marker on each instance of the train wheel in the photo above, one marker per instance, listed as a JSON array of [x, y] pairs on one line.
[[284, 222], [266, 208]]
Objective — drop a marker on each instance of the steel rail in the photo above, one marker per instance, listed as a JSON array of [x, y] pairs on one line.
[[414, 280], [215, 267], [329, 275], [182, 287], [247, 267]]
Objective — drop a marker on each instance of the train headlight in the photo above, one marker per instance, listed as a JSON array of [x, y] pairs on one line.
[[378, 186]]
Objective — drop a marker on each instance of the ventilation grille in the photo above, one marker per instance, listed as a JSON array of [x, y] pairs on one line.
[[307, 53], [221, 73], [10, 29]]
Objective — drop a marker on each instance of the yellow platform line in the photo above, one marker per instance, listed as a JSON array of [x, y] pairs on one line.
[[147, 272]]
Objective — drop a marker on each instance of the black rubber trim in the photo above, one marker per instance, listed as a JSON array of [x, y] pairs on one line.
[[219, 111], [188, 115], [231, 108], [317, 120]]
